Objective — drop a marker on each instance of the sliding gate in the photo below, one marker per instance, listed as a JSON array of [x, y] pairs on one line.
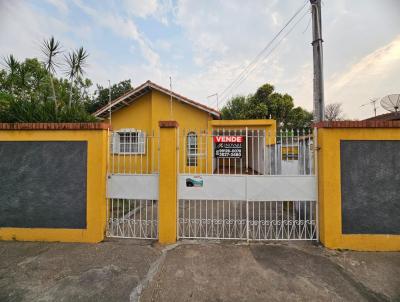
[[247, 185]]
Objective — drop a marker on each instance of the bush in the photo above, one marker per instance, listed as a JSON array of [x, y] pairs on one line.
[[22, 111]]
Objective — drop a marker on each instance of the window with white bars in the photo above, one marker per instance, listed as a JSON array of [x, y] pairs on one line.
[[192, 149], [129, 141]]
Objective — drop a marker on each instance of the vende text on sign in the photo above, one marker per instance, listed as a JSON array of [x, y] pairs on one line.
[[228, 146], [228, 139]]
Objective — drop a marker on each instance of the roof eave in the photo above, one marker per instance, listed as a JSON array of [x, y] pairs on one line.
[[102, 112]]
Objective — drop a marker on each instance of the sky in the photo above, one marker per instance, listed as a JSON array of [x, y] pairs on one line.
[[205, 45]]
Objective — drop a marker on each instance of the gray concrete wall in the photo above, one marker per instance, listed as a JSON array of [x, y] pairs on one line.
[[370, 187], [43, 184]]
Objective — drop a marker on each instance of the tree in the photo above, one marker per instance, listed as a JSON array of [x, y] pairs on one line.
[[28, 80], [102, 95], [51, 49], [334, 112], [76, 62], [266, 103], [29, 97], [70, 60], [235, 109], [12, 66], [30, 92], [299, 118]]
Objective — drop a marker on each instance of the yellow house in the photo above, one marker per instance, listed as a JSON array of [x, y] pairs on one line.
[[135, 118]]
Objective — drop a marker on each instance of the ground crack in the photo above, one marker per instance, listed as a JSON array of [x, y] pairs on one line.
[[153, 270]]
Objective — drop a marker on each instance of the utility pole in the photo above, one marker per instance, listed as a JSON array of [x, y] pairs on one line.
[[319, 106]]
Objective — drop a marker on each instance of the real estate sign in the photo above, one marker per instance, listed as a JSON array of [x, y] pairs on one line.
[[228, 146]]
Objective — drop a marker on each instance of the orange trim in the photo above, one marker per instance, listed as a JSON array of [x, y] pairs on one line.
[[54, 126], [358, 124]]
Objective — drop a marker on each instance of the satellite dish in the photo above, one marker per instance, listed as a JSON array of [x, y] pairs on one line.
[[391, 102]]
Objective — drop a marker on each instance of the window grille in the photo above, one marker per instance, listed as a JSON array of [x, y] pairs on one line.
[[192, 149], [129, 141]]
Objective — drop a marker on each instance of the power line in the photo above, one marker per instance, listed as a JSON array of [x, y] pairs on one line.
[[268, 54], [248, 72], [260, 54]]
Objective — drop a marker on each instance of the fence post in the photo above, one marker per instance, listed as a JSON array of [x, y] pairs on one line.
[[168, 182]]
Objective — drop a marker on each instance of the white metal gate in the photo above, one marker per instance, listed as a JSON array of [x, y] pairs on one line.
[[267, 193], [132, 184]]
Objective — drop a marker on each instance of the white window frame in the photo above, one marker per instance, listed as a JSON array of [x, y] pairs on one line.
[[192, 149], [138, 144]]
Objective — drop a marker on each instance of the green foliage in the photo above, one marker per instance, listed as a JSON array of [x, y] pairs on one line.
[[101, 97], [26, 96], [266, 103], [235, 109], [51, 49], [18, 110], [26, 93]]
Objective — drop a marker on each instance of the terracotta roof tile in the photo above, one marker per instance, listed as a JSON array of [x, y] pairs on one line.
[[152, 85]]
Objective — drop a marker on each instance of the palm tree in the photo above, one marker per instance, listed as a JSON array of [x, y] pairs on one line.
[[51, 48], [70, 71], [12, 65], [76, 63]]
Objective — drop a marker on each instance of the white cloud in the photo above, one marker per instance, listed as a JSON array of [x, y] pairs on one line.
[[124, 27], [212, 41], [141, 8], [374, 75], [225, 36], [374, 64], [276, 18], [158, 9], [164, 44], [22, 30], [61, 5]]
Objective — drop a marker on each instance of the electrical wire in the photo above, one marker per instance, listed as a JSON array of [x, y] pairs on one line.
[[266, 56], [251, 66], [256, 59]]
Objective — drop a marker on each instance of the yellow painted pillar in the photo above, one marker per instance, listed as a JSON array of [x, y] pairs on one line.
[[167, 205]]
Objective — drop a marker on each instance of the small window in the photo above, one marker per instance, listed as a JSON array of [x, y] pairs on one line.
[[192, 149], [129, 141], [290, 153]]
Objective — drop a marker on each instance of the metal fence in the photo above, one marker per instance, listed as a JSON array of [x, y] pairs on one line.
[[133, 152], [287, 152], [133, 156], [247, 220], [129, 218]]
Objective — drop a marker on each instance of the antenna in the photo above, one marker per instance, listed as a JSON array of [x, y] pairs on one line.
[[215, 94], [170, 100], [372, 102], [109, 99], [391, 102]]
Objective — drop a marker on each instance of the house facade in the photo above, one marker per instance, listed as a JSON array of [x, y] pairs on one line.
[[135, 118]]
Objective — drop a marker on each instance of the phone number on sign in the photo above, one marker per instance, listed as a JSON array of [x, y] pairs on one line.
[[225, 153]]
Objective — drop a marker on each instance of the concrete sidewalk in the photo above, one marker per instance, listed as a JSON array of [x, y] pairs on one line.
[[128, 270]]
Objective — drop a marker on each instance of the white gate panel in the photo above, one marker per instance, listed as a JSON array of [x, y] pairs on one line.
[[215, 187], [281, 188], [133, 186], [290, 167]]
